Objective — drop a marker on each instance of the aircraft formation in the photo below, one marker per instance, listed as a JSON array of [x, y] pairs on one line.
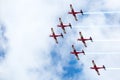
[[81, 38]]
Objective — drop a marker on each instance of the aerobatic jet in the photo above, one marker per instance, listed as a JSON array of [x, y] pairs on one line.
[[84, 39], [74, 12], [76, 52], [63, 25], [55, 35], [96, 68]]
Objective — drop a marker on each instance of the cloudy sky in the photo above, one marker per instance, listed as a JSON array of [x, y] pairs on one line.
[[28, 53]]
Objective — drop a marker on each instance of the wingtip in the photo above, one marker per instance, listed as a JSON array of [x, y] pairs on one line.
[[59, 18], [85, 45], [71, 52], [76, 19], [78, 58], [50, 35], [80, 32], [64, 31], [51, 28], [72, 45], [56, 42], [99, 74]]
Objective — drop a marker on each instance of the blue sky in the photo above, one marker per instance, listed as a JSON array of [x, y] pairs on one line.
[[3, 47], [30, 54]]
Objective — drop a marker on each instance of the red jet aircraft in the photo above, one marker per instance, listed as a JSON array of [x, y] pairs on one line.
[[83, 39], [74, 13], [63, 25], [76, 52], [96, 68], [55, 35]]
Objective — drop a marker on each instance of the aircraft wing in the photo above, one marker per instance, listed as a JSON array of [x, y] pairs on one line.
[[71, 7], [73, 47], [80, 34], [77, 56], [84, 43], [64, 30], [93, 63], [52, 30], [97, 72], [60, 20], [56, 40]]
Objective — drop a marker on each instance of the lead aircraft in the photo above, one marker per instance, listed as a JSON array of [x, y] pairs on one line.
[[74, 12]]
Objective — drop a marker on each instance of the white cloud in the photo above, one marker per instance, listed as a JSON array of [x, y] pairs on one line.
[[28, 27]]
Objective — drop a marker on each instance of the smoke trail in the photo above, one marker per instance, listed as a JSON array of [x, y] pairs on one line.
[[104, 12], [104, 40], [102, 53], [100, 26], [113, 68]]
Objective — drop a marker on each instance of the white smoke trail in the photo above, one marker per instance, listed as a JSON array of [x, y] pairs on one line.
[[100, 26], [104, 12], [107, 40], [113, 68], [88, 53]]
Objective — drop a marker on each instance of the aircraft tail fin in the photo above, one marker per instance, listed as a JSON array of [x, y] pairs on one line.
[[70, 25], [62, 35], [83, 52], [91, 39], [81, 11], [104, 67]]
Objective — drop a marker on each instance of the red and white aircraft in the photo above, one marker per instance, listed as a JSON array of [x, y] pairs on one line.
[[74, 13], [83, 39], [96, 68], [55, 35], [76, 52], [63, 25]]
